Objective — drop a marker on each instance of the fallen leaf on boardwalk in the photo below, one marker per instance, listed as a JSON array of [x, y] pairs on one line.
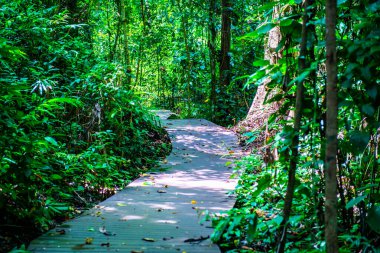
[[105, 232], [161, 191], [109, 234], [148, 239], [102, 229], [165, 161], [60, 231], [137, 251], [166, 186], [91, 229], [121, 204], [147, 183], [88, 240], [201, 238], [193, 202], [160, 210], [98, 213], [105, 244], [231, 152]]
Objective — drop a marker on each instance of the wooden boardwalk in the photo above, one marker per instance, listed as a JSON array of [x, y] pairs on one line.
[[160, 211]]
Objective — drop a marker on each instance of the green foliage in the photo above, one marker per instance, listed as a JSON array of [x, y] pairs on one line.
[[72, 133], [262, 185]]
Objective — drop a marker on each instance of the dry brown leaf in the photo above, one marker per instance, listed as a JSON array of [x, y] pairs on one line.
[[88, 240]]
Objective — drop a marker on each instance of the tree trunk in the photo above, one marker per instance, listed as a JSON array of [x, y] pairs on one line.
[[126, 46], [141, 47], [225, 75], [212, 53], [331, 130], [259, 112], [187, 72]]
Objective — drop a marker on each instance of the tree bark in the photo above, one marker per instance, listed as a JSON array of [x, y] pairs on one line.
[[259, 112], [225, 68], [212, 53], [188, 57], [126, 43], [141, 47], [331, 130]]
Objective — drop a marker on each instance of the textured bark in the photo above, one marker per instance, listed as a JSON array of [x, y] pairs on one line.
[[259, 112], [141, 47], [225, 63], [331, 130], [212, 53], [126, 43]]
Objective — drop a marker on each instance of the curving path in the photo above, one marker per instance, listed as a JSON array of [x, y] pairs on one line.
[[161, 211]]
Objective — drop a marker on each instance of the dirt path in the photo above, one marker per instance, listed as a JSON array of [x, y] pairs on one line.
[[161, 211]]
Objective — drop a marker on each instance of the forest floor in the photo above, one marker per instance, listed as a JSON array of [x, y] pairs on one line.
[[166, 209]]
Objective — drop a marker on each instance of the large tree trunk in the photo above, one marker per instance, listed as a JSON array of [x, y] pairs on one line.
[[259, 112], [331, 130]]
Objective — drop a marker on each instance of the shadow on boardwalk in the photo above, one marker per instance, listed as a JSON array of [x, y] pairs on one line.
[[161, 211]]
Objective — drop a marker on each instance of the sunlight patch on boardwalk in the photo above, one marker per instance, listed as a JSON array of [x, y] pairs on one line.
[[160, 211]]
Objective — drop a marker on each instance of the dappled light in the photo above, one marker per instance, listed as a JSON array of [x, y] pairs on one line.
[[164, 210], [181, 126]]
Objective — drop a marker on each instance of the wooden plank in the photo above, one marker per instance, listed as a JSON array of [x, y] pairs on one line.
[[167, 206]]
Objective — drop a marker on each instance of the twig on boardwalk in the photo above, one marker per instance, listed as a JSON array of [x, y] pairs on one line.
[[197, 240]]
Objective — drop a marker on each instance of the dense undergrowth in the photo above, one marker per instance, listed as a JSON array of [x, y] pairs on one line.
[[252, 225], [71, 132], [256, 224]]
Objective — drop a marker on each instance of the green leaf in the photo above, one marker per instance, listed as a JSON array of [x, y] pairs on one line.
[[51, 140], [340, 2], [55, 177], [72, 101], [359, 141], [368, 109], [263, 29], [260, 63], [251, 228], [263, 183], [219, 229], [373, 218], [355, 201], [286, 22]]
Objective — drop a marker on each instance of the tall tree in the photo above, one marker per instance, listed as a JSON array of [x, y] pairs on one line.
[[331, 130], [212, 52], [225, 62], [125, 26], [260, 111]]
